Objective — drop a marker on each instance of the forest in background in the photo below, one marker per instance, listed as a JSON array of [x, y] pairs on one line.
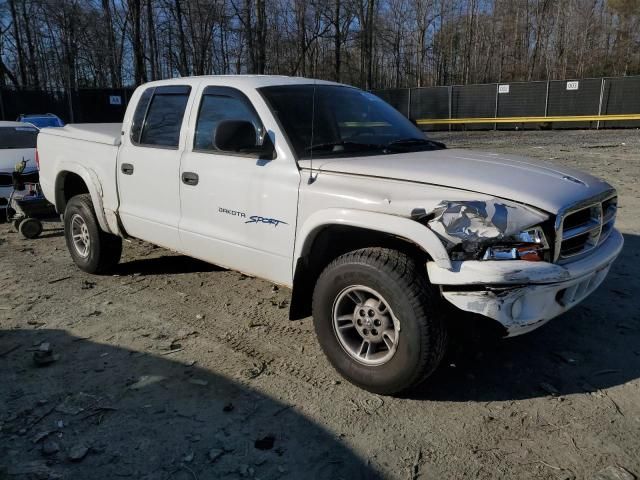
[[373, 44]]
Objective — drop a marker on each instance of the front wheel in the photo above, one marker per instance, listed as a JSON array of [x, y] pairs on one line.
[[378, 320], [93, 250]]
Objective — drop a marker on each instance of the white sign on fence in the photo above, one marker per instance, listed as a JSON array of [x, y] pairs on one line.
[[573, 85], [115, 100], [503, 88]]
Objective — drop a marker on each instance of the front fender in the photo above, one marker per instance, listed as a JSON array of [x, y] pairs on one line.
[[391, 224], [93, 184]]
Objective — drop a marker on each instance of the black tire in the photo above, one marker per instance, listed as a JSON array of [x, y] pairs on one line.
[[30, 228], [403, 284], [104, 250]]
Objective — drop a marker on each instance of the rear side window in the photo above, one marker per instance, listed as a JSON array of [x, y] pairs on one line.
[[139, 114], [18, 137], [219, 104], [163, 117]]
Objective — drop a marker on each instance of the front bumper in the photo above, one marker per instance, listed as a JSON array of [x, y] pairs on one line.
[[523, 295]]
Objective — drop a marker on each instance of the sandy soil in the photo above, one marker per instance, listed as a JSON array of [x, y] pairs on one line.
[[175, 369]]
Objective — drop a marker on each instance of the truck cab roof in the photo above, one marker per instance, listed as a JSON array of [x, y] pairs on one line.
[[246, 81]]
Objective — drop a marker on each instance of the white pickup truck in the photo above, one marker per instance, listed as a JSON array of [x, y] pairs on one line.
[[328, 190]]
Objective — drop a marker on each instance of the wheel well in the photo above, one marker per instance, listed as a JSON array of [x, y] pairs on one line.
[[328, 244], [68, 185]]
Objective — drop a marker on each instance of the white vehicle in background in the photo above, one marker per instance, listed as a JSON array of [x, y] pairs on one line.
[[17, 143], [327, 189]]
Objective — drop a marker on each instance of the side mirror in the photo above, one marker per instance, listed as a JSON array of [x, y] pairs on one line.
[[240, 136]]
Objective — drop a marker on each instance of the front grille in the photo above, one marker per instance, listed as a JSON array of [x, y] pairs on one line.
[[582, 228]]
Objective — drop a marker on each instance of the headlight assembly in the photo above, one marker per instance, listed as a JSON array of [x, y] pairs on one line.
[[490, 230], [530, 244]]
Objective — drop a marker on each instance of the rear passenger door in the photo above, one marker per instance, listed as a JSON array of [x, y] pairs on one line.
[[149, 165]]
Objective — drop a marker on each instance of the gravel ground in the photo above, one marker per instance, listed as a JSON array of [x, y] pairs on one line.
[[176, 369]]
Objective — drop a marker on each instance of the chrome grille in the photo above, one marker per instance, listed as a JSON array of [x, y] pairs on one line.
[[582, 227]]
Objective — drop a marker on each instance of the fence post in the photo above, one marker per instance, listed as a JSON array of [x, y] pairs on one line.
[[600, 103], [450, 101], [495, 112], [409, 104], [546, 101], [70, 101], [1, 106]]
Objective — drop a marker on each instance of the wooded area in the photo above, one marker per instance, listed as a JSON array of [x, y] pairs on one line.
[[47, 44]]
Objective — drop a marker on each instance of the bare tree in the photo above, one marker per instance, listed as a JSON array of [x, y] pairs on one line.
[[368, 43]]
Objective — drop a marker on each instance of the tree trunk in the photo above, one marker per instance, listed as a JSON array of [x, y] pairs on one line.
[[151, 36], [248, 31], [18, 39], [182, 45], [337, 42], [369, 37], [33, 70], [114, 77], [261, 36], [140, 73]]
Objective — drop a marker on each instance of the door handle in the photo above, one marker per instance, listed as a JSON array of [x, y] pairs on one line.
[[126, 168], [190, 178]]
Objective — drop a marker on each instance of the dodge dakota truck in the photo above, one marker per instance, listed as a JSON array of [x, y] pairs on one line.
[[382, 234]]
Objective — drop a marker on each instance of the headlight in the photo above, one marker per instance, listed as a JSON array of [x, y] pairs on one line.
[[528, 244], [491, 230]]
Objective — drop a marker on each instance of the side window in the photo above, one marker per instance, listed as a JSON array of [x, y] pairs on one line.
[[158, 117], [138, 115], [293, 106], [218, 104]]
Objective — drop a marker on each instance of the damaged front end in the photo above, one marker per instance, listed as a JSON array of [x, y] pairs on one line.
[[474, 232], [494, 229], [501, 263]]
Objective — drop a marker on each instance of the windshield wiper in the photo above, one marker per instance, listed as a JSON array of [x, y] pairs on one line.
[[347, 144], [416, 141]]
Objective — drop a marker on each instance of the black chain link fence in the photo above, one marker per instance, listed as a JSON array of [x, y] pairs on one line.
[[555, 98], [591, 96], [81, 106]]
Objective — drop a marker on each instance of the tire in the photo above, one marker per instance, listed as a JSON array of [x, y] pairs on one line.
[[94, 251], [30, 228], [401, 283]]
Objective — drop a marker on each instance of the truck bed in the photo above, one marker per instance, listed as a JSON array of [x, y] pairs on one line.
[[88, 151], [105, 133]]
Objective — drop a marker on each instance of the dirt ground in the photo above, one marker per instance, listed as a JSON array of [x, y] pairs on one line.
[[175, 369]]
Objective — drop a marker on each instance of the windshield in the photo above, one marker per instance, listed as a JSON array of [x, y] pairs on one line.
[[18, 137], [327, 120]]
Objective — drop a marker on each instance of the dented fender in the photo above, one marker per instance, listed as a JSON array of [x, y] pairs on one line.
[[392, 224]]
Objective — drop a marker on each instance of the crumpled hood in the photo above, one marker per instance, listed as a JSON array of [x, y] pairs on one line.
[[539, 184]]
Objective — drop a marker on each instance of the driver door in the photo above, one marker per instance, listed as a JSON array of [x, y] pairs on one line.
[[237, 209]]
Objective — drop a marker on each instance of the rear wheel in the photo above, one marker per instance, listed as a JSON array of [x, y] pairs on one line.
[[30, 228], [378, 320], [93, 250]]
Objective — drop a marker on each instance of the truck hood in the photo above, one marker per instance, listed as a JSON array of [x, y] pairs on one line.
[[536, 183]]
